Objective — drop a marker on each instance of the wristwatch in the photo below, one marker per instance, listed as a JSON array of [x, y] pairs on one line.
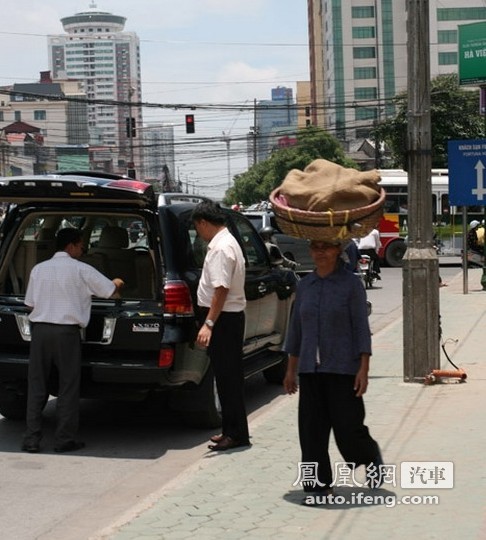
[[209, 323]]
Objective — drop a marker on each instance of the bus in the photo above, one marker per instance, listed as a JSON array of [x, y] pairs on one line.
[[395, 183], [394, 224]]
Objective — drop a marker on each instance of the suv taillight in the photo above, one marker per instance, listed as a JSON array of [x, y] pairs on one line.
[[177, 298]]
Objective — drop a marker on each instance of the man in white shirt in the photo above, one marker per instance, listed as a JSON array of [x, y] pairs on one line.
[[221, 298], [59, 295]]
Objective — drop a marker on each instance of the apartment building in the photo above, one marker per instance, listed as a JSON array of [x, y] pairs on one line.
[[96, 51], [45, 126], [358, 57]]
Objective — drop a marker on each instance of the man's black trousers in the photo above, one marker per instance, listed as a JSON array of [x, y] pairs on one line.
[[60, 346], [225, 352]]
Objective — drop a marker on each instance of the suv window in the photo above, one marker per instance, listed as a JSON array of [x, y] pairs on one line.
[[107, 248], [252, 246]]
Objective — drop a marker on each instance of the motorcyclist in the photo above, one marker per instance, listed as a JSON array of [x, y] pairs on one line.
[[370, 245], [473, 237], [267, 233]]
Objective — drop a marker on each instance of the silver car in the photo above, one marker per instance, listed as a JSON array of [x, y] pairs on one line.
[[296, 249]]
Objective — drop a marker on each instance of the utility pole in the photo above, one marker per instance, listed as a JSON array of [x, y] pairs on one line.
[[131, 165], [227, 140], [421, 352], [255, 132]]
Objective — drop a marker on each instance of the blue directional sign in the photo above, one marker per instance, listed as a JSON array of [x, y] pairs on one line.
[[467, 172]]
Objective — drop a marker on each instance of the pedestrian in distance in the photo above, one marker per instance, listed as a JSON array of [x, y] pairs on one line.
[[222, 302], [59, 295], [351, 257], [329, 348]]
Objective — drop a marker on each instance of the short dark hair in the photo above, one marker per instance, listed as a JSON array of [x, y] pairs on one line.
[[67, 236], [210, 211]]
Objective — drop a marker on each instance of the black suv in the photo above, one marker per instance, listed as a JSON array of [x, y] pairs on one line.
[[143, 343]]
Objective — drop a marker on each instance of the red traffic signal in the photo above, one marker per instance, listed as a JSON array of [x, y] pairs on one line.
[[190, 126]]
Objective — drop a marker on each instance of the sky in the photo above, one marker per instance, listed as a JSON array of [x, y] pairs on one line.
[[193, 52]]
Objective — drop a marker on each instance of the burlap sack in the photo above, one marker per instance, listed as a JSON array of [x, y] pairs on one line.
[[324, 186]]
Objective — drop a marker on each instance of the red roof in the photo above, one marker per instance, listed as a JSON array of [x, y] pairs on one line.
[[21, 127]]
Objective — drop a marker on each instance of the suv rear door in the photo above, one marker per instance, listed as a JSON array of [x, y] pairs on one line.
[[38, 208]]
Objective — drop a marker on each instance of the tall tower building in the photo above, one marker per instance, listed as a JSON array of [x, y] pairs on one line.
[[96, 51], [358, 56], [276, 121]]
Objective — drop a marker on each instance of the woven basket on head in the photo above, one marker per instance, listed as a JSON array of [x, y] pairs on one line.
[[329, 225]]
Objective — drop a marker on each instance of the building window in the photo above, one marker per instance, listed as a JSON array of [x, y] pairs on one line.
[[40, 115], [364, 73], [17, 116], [366, 113], [363, 12], [307, 111], [365, 92], [447, 58], [363, 32], [447, 36], [461, 14], [307, 123], [1, 116], [363, 133], [364, 52]]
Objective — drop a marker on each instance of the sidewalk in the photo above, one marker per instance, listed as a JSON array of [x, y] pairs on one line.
[[249, 493]]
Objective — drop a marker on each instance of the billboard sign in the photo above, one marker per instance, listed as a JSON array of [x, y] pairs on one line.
[[472, 53]]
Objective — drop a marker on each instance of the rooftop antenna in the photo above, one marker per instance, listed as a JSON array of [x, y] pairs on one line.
[[93, 5]]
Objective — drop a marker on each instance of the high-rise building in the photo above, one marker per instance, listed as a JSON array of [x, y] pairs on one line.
[[358, 57], [98, 52], [159, 158], [276, 122]]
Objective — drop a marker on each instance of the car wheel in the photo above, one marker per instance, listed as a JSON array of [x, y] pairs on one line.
[[200, 407], [13, 404], [394, 253], [275, 374]]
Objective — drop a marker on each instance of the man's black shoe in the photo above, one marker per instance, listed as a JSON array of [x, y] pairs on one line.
[[70, 446], [31, 447], [227, 443]]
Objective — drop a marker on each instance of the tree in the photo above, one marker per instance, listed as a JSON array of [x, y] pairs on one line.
[[454, 115], [312, 143]]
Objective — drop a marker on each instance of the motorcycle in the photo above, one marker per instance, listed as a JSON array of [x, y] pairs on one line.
[[367, 272], [475, 259]]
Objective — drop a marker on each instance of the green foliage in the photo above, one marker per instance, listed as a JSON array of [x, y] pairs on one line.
[[256, 184], [454, 113]]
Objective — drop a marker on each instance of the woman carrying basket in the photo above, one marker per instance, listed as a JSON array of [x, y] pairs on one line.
[[329, 347]]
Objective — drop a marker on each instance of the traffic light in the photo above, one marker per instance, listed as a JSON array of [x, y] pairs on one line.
[[131, 127], [190, 127]]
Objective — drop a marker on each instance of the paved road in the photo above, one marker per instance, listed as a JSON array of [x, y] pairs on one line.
[[130, 453]]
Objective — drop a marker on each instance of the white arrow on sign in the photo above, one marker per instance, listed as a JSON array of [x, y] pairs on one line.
[[480, 190]]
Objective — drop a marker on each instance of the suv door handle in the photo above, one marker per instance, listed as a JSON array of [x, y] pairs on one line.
[[262, 288]]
